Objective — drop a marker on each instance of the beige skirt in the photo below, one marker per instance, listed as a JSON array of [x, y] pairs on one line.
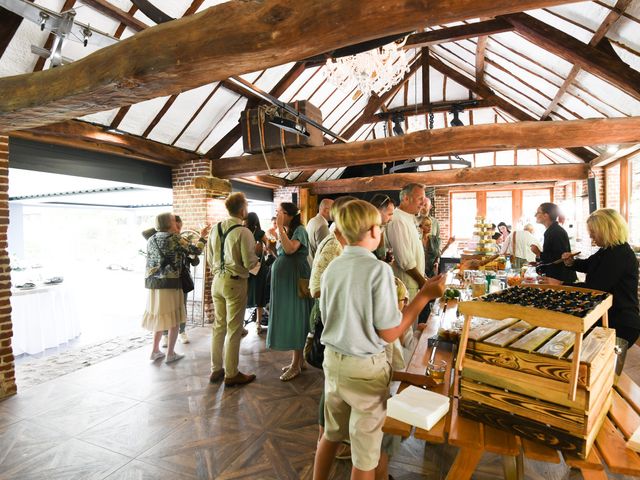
[[165, 309]]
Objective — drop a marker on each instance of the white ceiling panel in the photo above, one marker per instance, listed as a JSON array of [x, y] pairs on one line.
[[272, 76], [212, 112], [141, 114], [305, 77], [179, 113], [102, 118], [527, 157], [606, 92], [228, 122], [588, 18]]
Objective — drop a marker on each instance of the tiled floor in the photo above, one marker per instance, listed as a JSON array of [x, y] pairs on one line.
[[128, 418]]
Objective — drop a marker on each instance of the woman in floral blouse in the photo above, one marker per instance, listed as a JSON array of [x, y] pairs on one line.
[[165, 303]]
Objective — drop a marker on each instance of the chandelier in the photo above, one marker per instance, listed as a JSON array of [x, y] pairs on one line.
[[374, 71]]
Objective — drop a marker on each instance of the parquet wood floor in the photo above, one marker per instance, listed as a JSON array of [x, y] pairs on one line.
[[128, 418]]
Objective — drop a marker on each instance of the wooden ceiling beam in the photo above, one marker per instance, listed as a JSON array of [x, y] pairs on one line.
[[459, 32], [443, 141], [587, 57], [268, 181], [115, 13], [600, 34], [86, 136], [228, 39], [456, 176]]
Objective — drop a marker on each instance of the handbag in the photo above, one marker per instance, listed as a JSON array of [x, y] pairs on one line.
[[314, 350], [186, 281]]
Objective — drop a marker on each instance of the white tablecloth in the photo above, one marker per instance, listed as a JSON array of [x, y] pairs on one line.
[[42, 318]]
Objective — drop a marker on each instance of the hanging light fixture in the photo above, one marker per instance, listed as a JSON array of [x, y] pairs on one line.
[[374, 71], [456, 122], [397, 120]]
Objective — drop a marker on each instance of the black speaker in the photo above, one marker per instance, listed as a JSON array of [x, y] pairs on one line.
[[294, 198], [593, 194]]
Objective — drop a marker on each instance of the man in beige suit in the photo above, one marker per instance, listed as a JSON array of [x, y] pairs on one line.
[[231, 254]]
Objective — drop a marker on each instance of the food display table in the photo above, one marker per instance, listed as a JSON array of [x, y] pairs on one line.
[[474, 438], [42, 318]]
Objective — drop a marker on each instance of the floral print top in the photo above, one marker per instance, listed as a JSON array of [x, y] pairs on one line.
[[166, 253]]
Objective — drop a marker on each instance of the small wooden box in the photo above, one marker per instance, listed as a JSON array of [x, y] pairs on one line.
[[516, 375], [260, 135]]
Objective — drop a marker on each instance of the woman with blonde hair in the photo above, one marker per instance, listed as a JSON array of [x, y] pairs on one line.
[[613, 268]]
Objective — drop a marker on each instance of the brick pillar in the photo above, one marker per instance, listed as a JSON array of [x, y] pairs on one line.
[[440, 210], [196, 207], [7, 367]]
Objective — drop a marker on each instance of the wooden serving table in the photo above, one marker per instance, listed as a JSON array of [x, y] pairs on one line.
[[474, 438]]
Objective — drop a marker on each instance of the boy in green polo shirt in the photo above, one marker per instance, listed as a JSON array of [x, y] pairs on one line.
[[359, 308]]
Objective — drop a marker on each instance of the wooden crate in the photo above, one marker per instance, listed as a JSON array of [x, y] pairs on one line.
[[258, 136], [517, 371]]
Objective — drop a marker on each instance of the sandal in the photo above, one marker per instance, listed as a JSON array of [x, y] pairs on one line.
[[290, 374], [288, 367]]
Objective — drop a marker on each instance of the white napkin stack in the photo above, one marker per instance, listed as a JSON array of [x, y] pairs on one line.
[[418, 407]]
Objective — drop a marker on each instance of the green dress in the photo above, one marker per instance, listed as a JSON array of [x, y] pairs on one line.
[[288, 313]]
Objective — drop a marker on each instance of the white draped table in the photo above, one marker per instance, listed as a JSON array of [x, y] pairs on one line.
[[42, 318]]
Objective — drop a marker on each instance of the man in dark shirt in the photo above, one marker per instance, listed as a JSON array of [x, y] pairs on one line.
[[556, 242]]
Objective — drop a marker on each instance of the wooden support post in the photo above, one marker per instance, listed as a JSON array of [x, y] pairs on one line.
[[463, 342], [605, 319], [513, 467], [465, 464], [308, 204], [573, 383]]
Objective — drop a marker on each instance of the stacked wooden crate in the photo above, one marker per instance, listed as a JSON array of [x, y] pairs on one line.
[[518, 372]]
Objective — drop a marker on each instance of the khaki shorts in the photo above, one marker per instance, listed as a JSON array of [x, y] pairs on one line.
[[356, 392]]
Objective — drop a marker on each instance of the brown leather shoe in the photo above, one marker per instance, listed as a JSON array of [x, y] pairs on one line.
[[239, 379], [216, 376]]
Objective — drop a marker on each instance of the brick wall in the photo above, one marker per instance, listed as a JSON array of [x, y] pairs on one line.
[[284, 194], [197, 207], [599, 176], [440, 210], [559, 194], [7, 368]]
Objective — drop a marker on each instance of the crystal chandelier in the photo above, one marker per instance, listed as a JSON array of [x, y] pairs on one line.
[[374, 71]]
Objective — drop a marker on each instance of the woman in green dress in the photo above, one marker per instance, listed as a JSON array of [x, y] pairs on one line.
[[289, 312]]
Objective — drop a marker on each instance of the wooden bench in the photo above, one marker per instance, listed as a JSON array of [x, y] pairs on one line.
[[473, 438]]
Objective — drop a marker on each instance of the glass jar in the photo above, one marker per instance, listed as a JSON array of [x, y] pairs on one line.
[[479, 286]]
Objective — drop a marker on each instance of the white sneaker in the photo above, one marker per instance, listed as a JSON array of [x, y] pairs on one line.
[[164, 341], [184, 338]]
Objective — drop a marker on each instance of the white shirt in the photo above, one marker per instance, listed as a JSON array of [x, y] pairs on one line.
[[523, 243], [317, 229], [408, 252]]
